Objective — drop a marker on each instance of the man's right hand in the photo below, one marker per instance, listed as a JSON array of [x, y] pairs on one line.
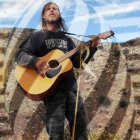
[[41, 64]]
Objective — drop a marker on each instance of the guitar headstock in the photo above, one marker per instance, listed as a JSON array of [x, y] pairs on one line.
[[106, 34], [96, 39]]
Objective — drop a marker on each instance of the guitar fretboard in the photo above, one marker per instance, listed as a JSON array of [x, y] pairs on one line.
[[69, 54]]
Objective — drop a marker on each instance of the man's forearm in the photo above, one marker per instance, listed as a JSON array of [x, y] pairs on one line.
[[24, 59]]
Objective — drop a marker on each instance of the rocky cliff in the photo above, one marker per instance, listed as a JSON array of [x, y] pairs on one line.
[[110, 91]]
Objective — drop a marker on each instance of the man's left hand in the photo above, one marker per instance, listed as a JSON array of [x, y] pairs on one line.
[[95, 41]]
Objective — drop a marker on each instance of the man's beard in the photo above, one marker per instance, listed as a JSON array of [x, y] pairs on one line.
[[52, 21]]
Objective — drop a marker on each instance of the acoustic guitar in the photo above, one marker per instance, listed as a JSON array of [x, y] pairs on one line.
[[38, 87]]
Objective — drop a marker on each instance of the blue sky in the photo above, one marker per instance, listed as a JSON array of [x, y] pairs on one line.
[[83, 17]]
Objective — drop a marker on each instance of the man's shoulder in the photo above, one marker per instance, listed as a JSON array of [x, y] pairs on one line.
[[66, 36], [38, 32]]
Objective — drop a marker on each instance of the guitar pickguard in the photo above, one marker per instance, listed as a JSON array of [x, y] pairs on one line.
[[53, 72]]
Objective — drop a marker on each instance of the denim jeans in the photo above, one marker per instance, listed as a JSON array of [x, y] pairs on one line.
[[61, 105]]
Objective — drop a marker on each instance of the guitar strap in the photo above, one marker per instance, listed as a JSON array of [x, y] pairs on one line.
[[75, 34], [77, 97]]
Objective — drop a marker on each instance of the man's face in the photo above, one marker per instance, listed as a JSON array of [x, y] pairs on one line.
[[51, 13]]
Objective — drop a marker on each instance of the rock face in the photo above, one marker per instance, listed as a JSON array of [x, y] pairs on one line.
[[110, 88]]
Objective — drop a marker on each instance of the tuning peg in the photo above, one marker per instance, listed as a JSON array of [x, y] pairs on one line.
[[112, 33]]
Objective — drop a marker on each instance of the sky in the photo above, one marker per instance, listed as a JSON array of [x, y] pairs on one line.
[[83, 17]]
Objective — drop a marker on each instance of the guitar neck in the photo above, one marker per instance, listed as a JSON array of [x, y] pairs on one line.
[[69, 54], [103, 35]]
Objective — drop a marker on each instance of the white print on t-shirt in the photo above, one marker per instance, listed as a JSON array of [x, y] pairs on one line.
[[56, 43]]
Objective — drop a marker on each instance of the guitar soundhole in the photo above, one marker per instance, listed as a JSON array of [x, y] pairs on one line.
[[53, 63]]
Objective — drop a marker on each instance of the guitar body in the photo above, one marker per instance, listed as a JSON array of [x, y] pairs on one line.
[[37, 87]]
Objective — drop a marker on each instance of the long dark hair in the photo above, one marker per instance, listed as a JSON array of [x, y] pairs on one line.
[[60, 22]]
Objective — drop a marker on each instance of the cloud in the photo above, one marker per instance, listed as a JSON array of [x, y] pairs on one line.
[[110, 10], [133, 21], [8, 10], [12, 10], [127, 36], [118, 9], [21, 16], [83, 25], [59, 3], [30, 13]]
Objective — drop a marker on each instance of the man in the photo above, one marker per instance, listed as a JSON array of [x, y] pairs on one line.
[[62, 102]]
